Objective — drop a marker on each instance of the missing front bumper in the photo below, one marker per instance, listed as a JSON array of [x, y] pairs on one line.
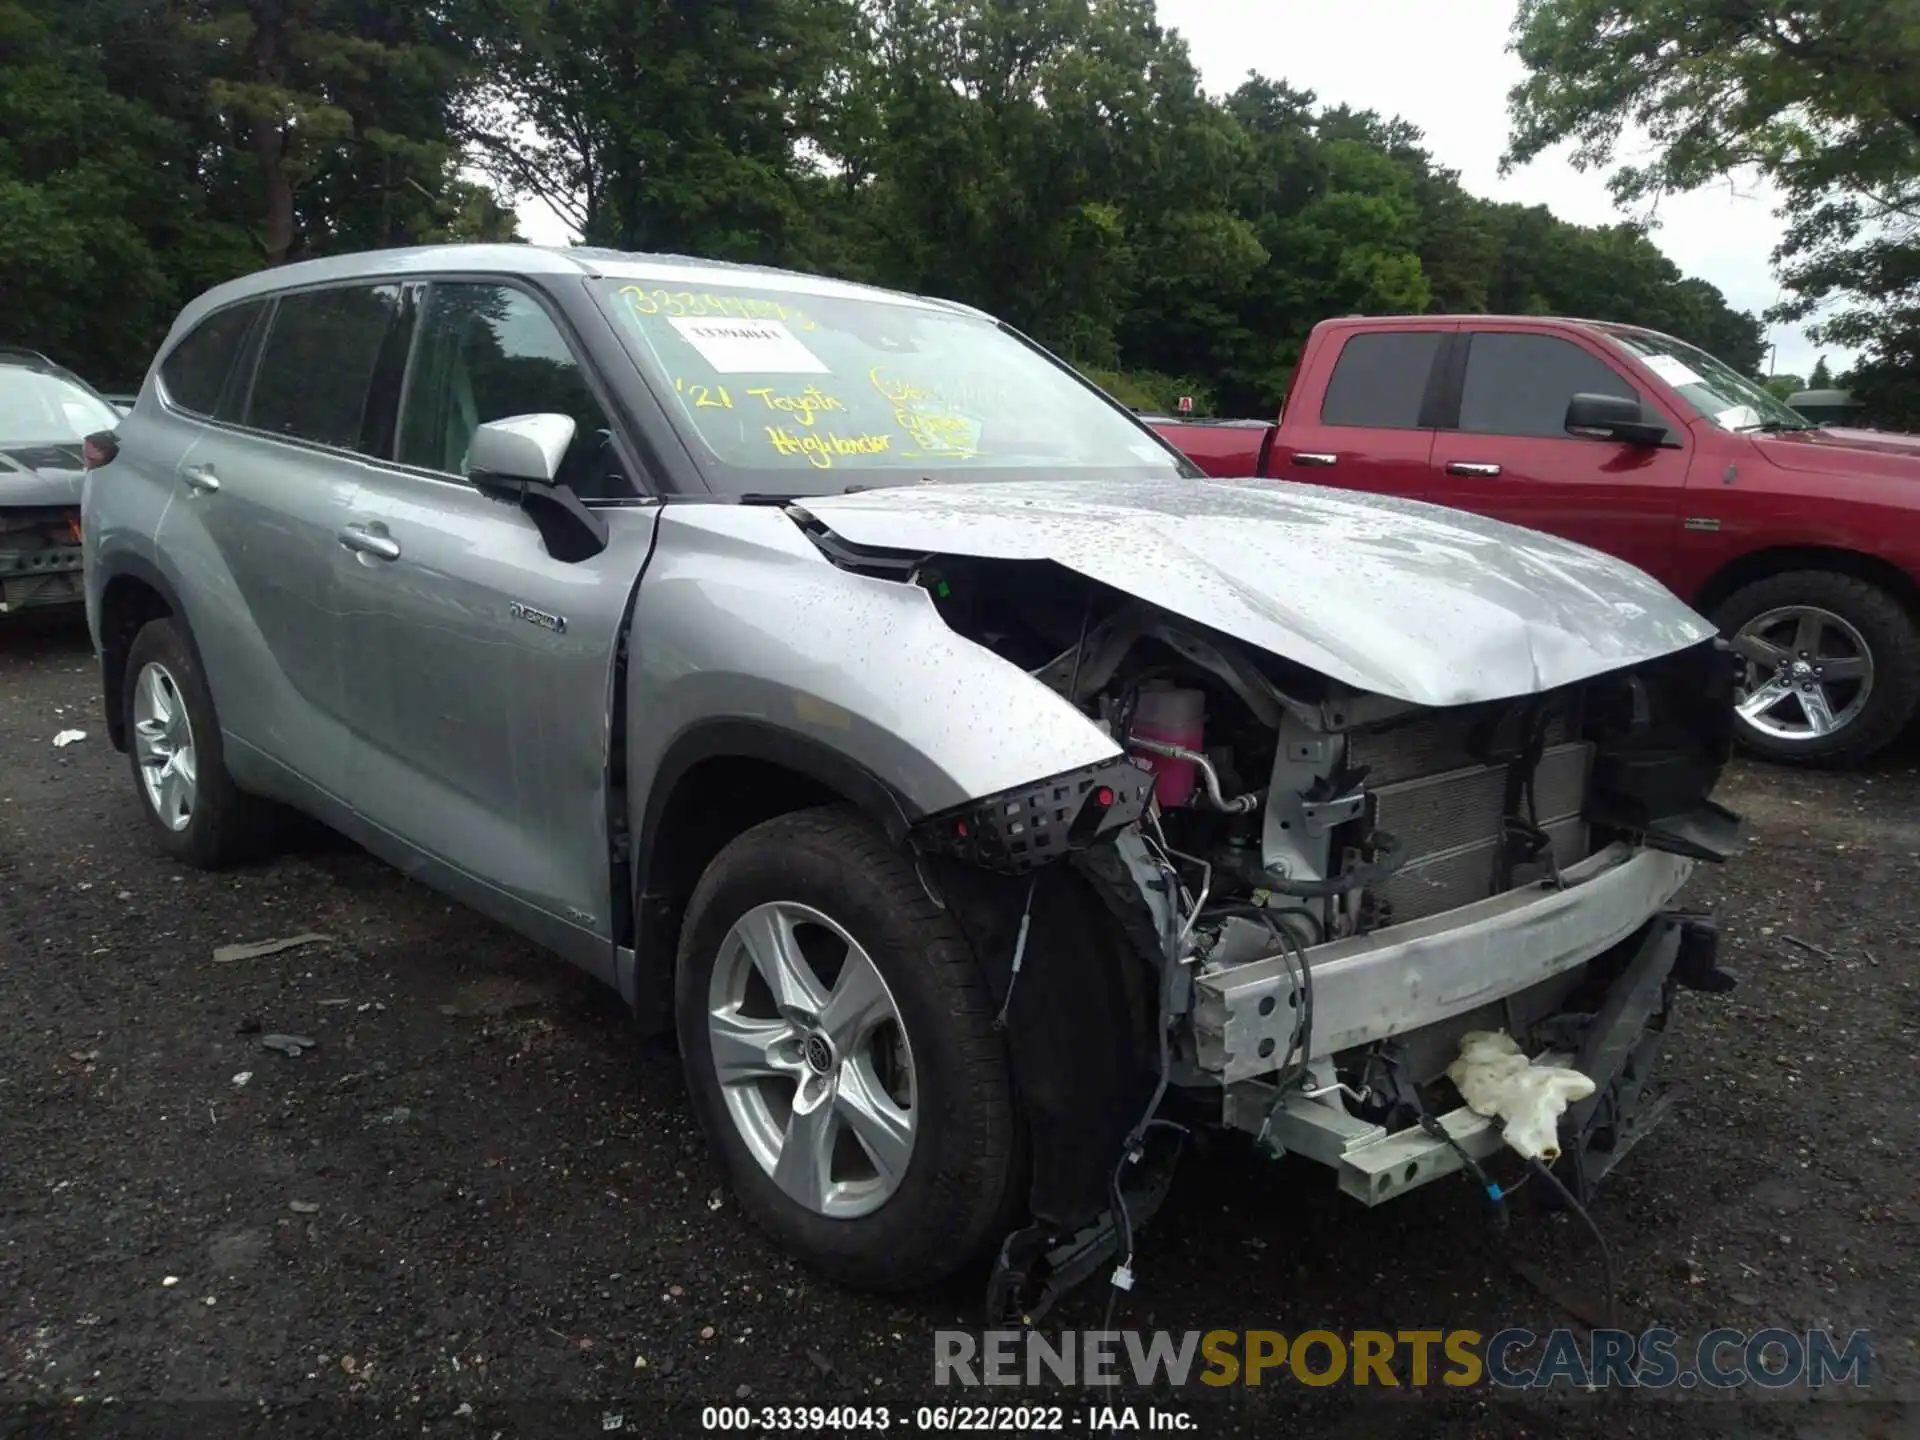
[[1616, 1044], [1401, 980]]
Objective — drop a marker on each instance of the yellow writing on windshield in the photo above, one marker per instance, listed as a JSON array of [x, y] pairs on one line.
[[705, 397], [803, 406], [821, 448], [689, 302], [931, 423]]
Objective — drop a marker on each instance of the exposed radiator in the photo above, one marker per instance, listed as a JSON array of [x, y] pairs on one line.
[[1448, 809]]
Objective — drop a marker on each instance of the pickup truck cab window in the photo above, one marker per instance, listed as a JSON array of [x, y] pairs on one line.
[[316, 368], [488, 351], [1380, 380], [1712, 387], [1519, 384], [786, 392]]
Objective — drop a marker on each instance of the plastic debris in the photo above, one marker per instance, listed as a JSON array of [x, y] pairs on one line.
[[227, 954], [288, 1044], [67, 737], [1495, 1077], [242, 1078]]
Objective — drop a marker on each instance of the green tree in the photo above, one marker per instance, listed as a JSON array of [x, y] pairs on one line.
[[1820, 96], [670, 127], [1822, 377]]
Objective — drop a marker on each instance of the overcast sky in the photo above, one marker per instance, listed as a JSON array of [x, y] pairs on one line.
[[1443, 65]]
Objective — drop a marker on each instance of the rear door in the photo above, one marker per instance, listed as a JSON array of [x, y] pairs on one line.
[[1374, 429], [261, 497], [1509, 454], [478, 667]]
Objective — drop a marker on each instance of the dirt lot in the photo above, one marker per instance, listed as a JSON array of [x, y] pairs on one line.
[[479, 1206]]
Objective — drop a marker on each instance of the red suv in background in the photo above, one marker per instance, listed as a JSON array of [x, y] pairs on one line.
[[1801, 541]]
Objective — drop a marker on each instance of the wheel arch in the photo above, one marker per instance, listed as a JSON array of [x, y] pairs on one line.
[[134, 593], [1784, 559], [715, 781]]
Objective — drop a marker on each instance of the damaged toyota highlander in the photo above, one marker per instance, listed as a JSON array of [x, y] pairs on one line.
[[986, 799]]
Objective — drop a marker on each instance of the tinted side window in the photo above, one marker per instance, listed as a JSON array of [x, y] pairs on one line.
[[1520, 384], [487, 352], [1380, 379], [196, 370], [318, 362]]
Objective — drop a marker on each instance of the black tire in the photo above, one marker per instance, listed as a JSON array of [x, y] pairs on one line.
[[225, 826], [1892, 641], [961, 1182]]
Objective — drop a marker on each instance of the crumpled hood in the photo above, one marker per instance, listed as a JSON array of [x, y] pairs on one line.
[[41, 475], [1399, 598]]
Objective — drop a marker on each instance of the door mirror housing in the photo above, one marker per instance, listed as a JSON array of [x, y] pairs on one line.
[[516, 460], [520, 447], [1612, 417]]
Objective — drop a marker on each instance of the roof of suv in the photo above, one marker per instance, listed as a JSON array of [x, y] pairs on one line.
[[539, 260]]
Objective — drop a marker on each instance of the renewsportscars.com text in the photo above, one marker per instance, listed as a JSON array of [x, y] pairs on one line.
[[1658, 1358]]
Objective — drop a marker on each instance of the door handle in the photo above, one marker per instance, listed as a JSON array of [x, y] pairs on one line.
[[1319, 458], [362, 540], [201, 478], [1471, 467]]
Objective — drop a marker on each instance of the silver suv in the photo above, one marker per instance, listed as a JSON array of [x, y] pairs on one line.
[[984, 797]]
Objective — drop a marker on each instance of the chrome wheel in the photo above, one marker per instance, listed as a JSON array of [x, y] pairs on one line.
[[813, 1060], [1808, 673], [163, 744]]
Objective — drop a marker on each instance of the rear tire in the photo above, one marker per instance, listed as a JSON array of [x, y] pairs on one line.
[[827, 888], [179, 766], [1830, 714]]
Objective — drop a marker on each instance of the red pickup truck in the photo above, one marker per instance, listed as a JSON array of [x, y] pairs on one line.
[[1801, 541]]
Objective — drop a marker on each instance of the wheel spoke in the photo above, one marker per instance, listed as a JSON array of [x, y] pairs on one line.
[[858, 1002], [1760, 701], [743, 1047], [884, 1130], [173, 795], [1844, 667], [1760, 650], [1819, 712], [159, 700], [187, 767], [149, 737], [768, 935], [805, 1168], [1806, 635]]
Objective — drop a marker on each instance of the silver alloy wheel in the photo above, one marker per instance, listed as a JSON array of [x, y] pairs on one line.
[[163, 743], [813, 1059], [1809, 673]]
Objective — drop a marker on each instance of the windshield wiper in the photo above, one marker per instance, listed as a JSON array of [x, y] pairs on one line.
[[1774, 427]]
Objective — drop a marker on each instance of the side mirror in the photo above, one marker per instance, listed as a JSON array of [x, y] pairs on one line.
[[1612, 417], [516, 460]]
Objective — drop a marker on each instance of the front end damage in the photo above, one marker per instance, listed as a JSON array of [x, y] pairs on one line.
[[1286, 920]]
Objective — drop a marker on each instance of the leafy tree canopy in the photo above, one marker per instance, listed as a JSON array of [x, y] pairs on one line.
[[1054, 161]]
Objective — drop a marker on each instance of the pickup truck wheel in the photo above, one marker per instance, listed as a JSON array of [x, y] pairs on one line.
[[840, 1054], [179, 770], [1832, 666]]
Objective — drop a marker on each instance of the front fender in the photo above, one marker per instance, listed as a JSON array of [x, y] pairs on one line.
[[741, 619]]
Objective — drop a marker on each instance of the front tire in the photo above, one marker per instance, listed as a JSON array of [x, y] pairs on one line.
[[1832, 667], [192, 805], [840, 1054]]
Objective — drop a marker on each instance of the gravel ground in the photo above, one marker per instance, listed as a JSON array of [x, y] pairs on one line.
[[480, 1205]]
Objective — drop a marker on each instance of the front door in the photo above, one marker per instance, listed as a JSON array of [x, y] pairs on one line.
[[478, 667], [1510, 455]]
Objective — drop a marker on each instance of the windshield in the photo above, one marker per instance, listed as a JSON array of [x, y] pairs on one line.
[[788, 392], [37, 408], [1714, 388]]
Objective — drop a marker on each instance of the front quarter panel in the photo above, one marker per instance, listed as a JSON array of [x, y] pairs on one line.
[[741, 619]]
